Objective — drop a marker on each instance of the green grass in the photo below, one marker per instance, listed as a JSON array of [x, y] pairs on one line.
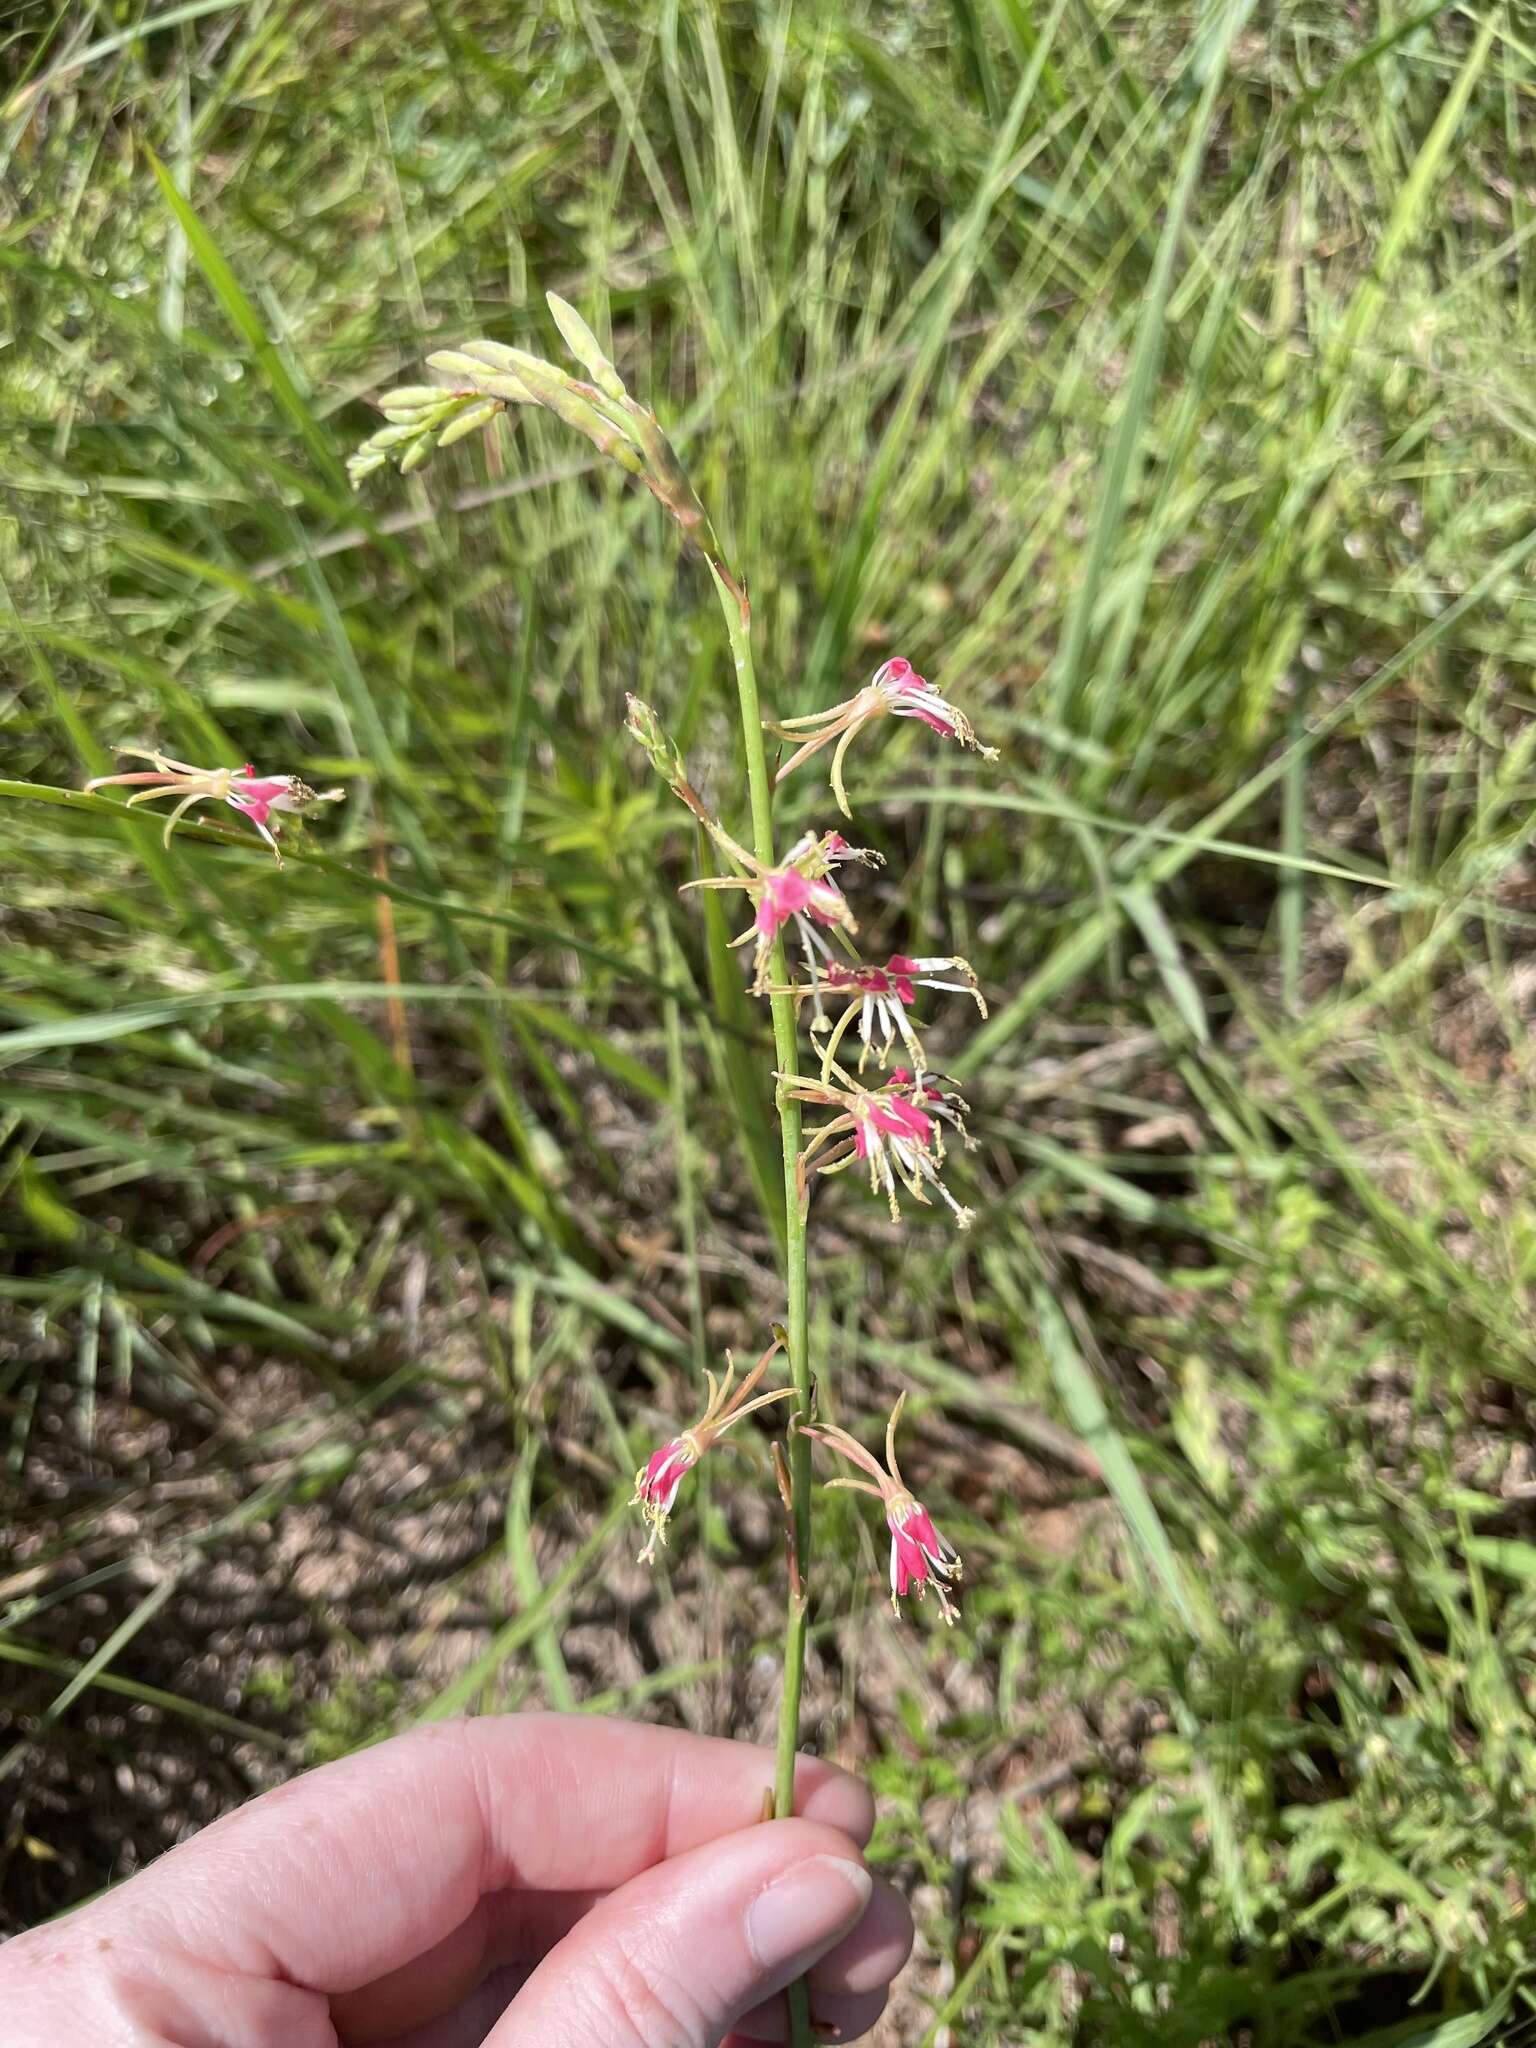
[[1160, 381]]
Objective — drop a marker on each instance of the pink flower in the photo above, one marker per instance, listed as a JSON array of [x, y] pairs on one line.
[[895, 690], [788, 894], [945, 1104], [918, 1551], [920, 1556], [657, 1481], [798, 894], [895, 1130], [659, 1478], [260, 795], [256, 797], [876, 999], [909, 695]]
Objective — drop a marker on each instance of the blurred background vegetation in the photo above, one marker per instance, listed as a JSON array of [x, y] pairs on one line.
[[1159, 380]]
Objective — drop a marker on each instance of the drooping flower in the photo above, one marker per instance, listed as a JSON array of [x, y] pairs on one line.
[[875, 1000], [920, 1556], [657, 1481], [799, 893], [945, 1104], [895, 1129], [257, 797], [895, 690]]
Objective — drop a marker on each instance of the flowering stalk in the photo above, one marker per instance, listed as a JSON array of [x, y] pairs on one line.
[[738, 626], [794, 892], [487, 379], [894, 1127], [786, 1051]]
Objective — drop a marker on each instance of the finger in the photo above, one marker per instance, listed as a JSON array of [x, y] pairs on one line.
[[835, 2019], [848, 1986], [338, 1878], [472, 2019], [860, 1967], [875, 1952], [506, 1930], [511, 1931], [671, 1959]]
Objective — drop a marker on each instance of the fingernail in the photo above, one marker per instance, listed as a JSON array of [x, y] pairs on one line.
[[807, 1908]]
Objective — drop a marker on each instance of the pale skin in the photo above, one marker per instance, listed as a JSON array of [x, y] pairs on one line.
[[518, 1881]]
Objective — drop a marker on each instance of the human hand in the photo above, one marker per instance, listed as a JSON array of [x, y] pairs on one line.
[[523, 1881]]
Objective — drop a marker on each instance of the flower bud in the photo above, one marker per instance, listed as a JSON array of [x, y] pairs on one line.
[[466, 423], [395, 436], [412, 398], [585, 347], [455, 362], [643, 725]]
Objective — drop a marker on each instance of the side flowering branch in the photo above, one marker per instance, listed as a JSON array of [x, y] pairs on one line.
[[877, 1001], [661, 749], [895, 690], [895, 1129], [795, 893], [920, 1556], [658, 1480], [259, 798]]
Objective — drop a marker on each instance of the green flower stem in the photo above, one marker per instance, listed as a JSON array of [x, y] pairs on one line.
[[738, 624]]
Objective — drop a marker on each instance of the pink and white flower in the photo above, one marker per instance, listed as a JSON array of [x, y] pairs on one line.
[[797, 894], [920, 1556], [257, 797], [944, 1104], [658, 1480], [895, 1130], [895, 690], [876, 998]]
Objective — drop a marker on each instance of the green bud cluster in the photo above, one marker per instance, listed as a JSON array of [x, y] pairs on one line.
[[420, 417], [488, 376], [643, 725], [661, 750]]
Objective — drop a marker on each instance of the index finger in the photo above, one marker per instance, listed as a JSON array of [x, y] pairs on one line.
[[349, 1871]]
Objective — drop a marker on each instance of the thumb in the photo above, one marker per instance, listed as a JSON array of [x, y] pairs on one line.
[[672, 1958]]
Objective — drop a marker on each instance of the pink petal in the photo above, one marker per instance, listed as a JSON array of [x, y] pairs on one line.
[[784, 893], [902, 1120], [826, 903], [664, 1473], [936, 719]]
